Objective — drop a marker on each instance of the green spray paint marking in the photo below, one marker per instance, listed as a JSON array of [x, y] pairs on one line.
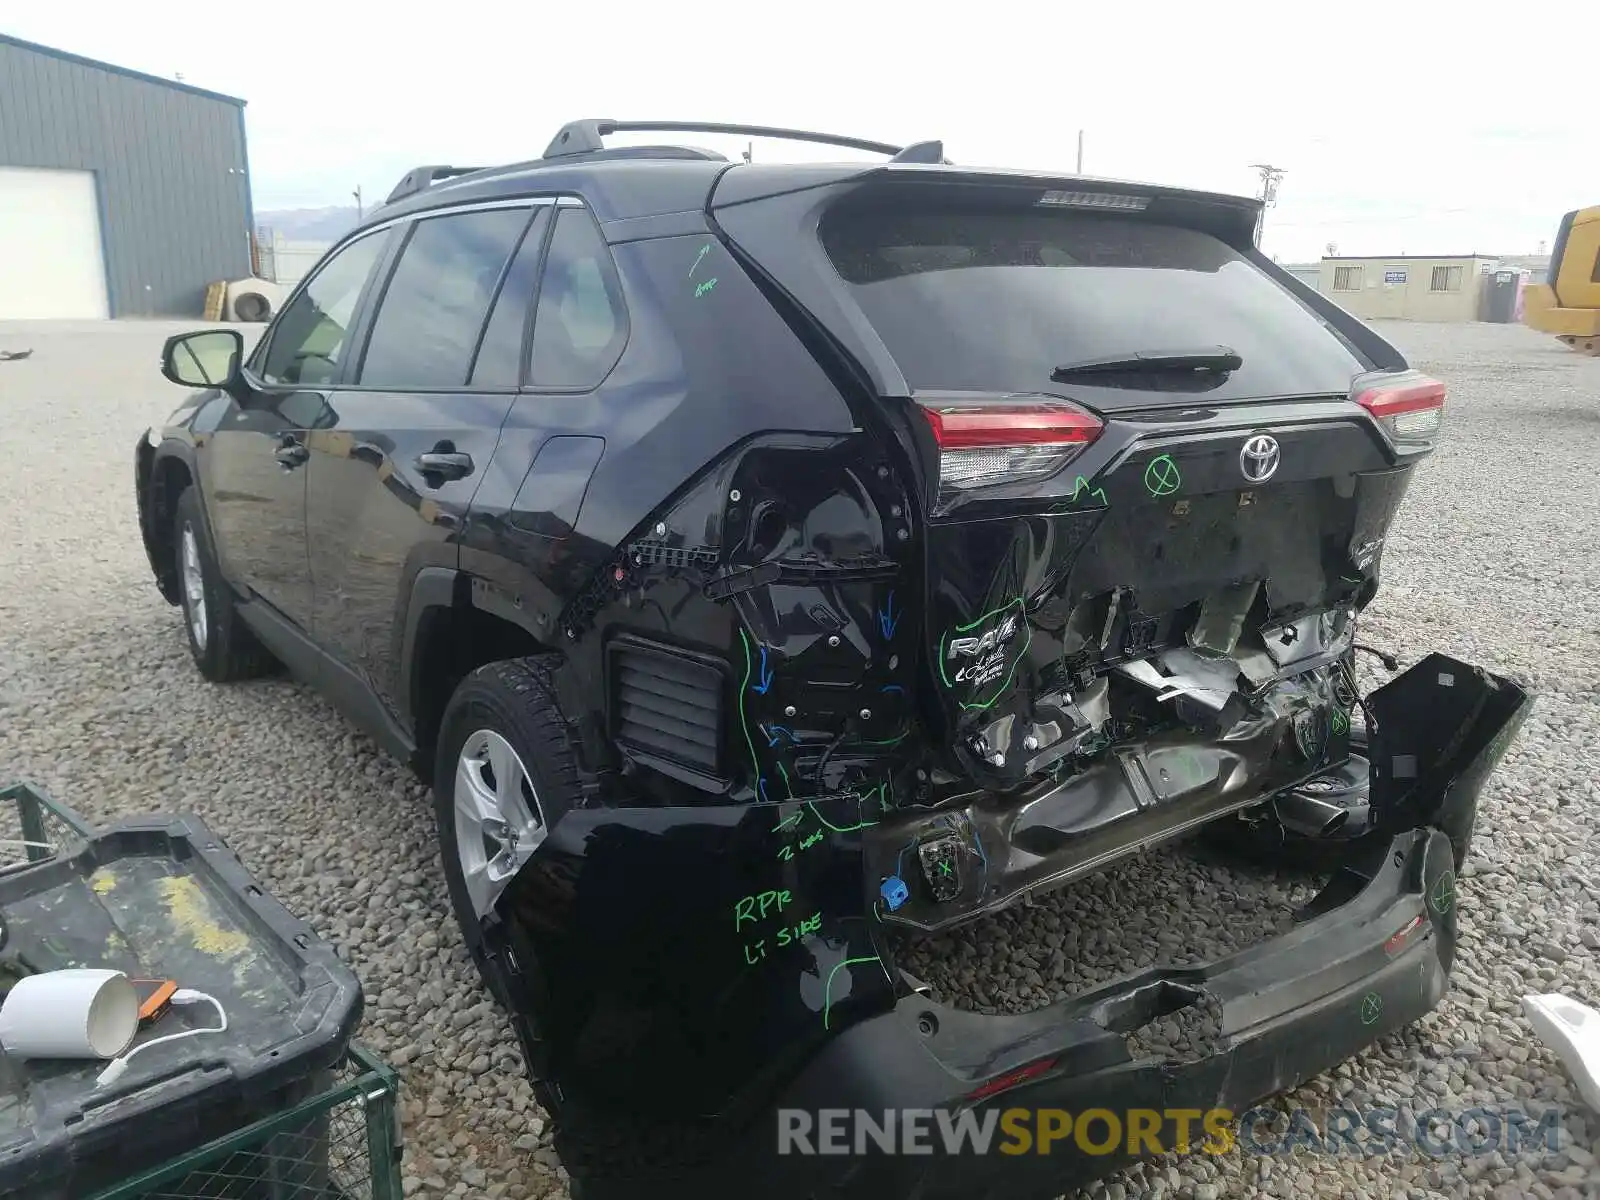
[[1371, 1008], [827, 991], [788, 789], [703, 288], [811, 804], [704, 250], [1027, 640], [1083, 486], [1341, 721], [1443, 895], [1161, 477], [791, 819]]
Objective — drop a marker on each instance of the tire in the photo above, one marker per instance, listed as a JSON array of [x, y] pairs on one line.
[[222, 645], [252, 307], [509, 702]]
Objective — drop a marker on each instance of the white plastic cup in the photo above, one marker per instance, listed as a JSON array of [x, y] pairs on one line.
[[84, 1012]]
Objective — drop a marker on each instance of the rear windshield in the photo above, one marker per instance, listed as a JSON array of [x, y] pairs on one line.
[[986, 300]]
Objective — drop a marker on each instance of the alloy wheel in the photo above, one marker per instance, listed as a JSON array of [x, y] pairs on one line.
[[498, 819], [194, 587]]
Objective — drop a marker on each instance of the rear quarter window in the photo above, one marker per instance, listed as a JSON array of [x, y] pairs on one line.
[[997, 300]]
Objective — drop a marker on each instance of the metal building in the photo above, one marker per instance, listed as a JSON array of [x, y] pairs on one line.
[[121, 194]]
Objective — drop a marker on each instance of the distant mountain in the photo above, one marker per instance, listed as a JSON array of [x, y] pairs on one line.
[[308, 224]]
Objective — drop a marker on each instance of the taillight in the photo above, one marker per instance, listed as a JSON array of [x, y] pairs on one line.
[[982, 445], [1409, 405], [1011, 1079]]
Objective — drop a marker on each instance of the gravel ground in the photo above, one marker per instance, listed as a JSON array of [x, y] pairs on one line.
[[1494, 559]]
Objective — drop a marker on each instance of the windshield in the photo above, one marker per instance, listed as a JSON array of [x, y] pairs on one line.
[[996, 300]]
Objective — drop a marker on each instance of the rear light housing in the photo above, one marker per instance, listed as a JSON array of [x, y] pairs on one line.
[[1408, 404], [1011, 1079], [1009, 440]]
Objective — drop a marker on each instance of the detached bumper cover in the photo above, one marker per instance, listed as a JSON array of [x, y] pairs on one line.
[[796, 1033]]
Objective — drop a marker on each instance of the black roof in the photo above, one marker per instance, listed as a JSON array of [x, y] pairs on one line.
[[628, 182], [80, 60]]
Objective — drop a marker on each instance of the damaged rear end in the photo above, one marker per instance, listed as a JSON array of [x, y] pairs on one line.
[[1154, 485], [1085, 578]]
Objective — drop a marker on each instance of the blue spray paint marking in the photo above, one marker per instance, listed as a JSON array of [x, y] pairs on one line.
[[775, 733], [764, 675], [761, 788], [888, 619], [893, 687]]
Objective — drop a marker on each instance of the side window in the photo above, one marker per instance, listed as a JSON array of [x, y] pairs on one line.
[[311, 336], [499, 362], [436, 301], [580, 325]]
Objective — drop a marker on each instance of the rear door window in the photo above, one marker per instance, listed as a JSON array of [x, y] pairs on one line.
[[981, 300], [437, 299], [500, 355]]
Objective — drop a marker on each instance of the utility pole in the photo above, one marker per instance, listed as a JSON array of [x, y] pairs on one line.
[[1270, 176], [749, 151], [357, 195], [1080, 152]]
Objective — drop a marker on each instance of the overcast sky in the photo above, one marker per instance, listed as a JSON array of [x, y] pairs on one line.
[[1403, 127]]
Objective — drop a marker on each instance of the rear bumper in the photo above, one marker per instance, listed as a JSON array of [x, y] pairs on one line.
[[1290, 1007]]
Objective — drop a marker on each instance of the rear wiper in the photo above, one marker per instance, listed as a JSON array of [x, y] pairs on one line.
[[1221, 359]]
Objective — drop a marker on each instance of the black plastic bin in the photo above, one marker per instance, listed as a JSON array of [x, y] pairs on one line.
[[160, 897]]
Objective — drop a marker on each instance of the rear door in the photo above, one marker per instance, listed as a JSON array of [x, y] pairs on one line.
[[407, 440]]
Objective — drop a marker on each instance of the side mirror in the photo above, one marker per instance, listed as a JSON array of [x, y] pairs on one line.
[[209, 358]]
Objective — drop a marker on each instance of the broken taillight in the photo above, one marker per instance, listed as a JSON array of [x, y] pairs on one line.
[[1408, 404], [1011, 1079], [981, 445]]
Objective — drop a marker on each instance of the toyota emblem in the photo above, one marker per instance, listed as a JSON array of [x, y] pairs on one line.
[[1258, 458]]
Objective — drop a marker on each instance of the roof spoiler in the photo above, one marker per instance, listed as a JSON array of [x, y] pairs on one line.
[[583, 137], [420, 179]]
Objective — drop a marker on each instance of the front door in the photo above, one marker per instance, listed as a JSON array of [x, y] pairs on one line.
[[411, 431], [256, 490]]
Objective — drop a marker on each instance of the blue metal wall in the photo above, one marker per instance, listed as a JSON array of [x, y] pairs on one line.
[[169, 164]]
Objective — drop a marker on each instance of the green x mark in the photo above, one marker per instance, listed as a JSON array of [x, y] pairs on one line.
[[1371, 1008], [1443, 895], [1162, 477]]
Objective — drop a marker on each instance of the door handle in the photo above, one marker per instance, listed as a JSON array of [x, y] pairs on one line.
[[445, 464], [290, 457]]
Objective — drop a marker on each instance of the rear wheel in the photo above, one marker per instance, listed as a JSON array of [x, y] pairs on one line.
[[220, 642], [505, 776]]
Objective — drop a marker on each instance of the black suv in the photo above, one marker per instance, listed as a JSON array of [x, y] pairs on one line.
[[764, 560]]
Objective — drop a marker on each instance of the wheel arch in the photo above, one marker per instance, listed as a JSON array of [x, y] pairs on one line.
[[165, 472], [454, 623]]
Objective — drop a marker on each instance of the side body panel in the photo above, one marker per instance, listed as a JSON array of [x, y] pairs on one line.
[[375, 519]]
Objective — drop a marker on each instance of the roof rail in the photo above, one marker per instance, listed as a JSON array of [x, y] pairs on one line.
[[583, 137], [419, 179]]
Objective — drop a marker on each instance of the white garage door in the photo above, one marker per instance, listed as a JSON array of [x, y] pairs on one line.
[[50, 260]]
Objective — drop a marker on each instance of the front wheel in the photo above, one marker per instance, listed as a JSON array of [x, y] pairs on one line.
[[505, 775], [222, 645]]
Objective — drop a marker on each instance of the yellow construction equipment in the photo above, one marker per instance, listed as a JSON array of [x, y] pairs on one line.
[[1568, 303]]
